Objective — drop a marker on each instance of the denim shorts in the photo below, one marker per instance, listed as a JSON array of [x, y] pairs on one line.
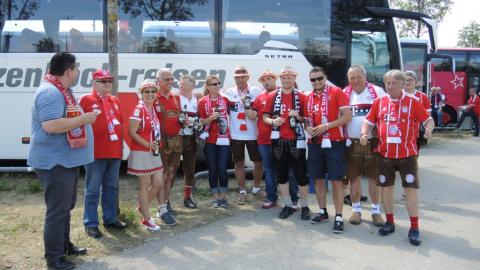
[[327, 160]]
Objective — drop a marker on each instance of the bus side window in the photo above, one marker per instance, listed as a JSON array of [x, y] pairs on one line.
[[76, 42]]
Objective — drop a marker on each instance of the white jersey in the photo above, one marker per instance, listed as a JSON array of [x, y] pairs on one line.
[[361, 104], [189, 105], [241, 127]]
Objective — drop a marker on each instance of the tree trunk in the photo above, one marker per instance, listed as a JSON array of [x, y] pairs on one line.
[[112, 42]]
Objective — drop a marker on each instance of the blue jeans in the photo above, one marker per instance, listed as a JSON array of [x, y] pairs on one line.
[[265, 151], [217, 162], [101, 175]]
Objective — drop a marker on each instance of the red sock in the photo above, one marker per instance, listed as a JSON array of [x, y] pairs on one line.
[[187, 192], [390, 218], [413, 223]]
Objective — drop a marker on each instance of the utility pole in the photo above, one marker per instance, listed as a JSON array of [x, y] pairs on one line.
[[112, 42]]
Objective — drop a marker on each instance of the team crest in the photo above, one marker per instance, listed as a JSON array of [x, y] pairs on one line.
[[76, 132], [404, 109]]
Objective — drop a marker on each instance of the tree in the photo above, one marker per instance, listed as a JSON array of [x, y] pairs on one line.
[[434, 8], [469, 36]]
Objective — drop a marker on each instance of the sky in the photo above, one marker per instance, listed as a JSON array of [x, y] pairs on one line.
[[460, 15]]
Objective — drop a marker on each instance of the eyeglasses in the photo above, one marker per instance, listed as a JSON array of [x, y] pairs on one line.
[[317, 79], [215, 84], [106, 81], [166, 79], [149, 92]]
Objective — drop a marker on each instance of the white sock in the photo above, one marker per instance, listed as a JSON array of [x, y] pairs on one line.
[[287, 201], [356, 207], [375, 208], [303, 203], [338, 218], [163, 209], [322, 211], [255, 189], [243, 191]]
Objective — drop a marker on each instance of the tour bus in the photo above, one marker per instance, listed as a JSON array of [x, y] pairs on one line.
[[200, 38], [454, 70]]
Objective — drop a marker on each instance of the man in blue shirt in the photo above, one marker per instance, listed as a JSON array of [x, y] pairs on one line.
[[61, 142]]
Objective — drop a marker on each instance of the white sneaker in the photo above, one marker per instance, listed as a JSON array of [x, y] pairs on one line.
[[150, 225], [255, 191]]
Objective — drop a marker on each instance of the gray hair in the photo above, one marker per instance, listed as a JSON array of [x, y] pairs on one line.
[[410, 73], [189, 78], [359, 67], [163, 70], [396, 74]]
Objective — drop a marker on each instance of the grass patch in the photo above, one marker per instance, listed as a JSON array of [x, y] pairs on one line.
[[202, 193], [29, 187], [129, 215], [22, 183], [6, 185]]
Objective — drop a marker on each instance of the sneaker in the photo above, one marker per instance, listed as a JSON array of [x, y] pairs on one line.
[[356, 218], [387, 228], [189, 203], [215, 204], [150, 224], [268, 204], [223, 203], [319, 218], [168, 219], [242, 199], [377, 220], [338, 226], [286, 212], [414, 237], [305, 213], [255, 191]]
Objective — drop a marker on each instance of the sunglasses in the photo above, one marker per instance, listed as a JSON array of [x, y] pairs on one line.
[[317, 79], [105, 81], [166, 79], [149, 92], [215, 84]]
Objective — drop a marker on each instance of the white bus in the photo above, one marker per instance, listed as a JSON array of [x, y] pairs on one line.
[[199, 37]]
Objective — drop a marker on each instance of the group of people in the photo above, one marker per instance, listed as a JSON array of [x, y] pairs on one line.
[[352, 132]]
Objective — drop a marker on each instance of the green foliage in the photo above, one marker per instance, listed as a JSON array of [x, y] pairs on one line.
[[129, 215], [23, 183], [29, 187], [202, 193], [469, 36], [434, 8]]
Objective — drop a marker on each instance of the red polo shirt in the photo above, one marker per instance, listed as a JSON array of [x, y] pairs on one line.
[[336, 100], [170, 106], [405, 114], [103, 146], [286, 132]]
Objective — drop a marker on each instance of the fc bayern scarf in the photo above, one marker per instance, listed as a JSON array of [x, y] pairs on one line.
[[109, 115], [326, 143], [77, 137], [222, 139], [299, 132]]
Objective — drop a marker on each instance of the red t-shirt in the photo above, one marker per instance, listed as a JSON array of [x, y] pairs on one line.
[[404, 114], [264, 130], [103, 146], [145, 129], [286, 132], [202, 112], [474, 101], [423, 98], [171, 105], [336, 100]]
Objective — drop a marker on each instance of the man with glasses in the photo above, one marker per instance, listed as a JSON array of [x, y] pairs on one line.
[[168, 109], [102, 175], [360, 159], [326, 112], [243, 130], [283, 111], [61, 142]]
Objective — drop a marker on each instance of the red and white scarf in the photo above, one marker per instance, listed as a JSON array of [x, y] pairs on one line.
[[326, 143], [77, 137], [222, 139], [154, 121], [109, 115], [369, 86], [241, 115]]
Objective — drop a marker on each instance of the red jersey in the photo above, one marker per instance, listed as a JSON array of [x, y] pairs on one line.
[[170, 106], [264, 130], [286, 132], [145, 130], [335, 101], [397, 124], [423, 98], [474, 103], [202, 112], [104, 147]]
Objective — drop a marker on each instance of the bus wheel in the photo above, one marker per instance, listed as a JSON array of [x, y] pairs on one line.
[[449, 116]]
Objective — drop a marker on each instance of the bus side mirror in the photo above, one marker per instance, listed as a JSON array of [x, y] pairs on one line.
[[448, 57]]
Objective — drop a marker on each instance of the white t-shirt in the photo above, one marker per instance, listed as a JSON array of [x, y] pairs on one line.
[[236, 108], [191, 105], [361, 104]]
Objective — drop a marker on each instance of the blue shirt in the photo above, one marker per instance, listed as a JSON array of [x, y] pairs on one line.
[[46, 149]]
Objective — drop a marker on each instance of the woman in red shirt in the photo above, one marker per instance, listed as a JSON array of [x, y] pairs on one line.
[[144, 160], [213, 111]]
